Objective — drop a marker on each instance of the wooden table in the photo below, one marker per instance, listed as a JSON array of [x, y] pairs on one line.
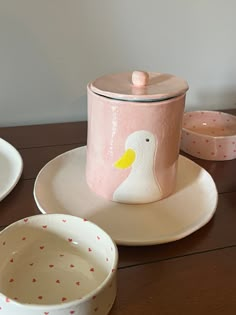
[[196, 275]]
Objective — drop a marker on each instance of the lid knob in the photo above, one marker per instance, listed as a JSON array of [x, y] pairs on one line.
[[140, 78]]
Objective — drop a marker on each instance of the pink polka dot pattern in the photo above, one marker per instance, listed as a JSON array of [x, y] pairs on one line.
[[58, 273], [209, 135]]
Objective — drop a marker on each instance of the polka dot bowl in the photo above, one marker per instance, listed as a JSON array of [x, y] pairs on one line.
[[209, 135], [56, 264]]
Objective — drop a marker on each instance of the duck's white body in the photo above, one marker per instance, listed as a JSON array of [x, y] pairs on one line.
[[141, 185]]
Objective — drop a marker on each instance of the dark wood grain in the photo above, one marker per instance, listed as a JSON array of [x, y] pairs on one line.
[[199, 284], [18, 204], [45, 135], [36, 158]]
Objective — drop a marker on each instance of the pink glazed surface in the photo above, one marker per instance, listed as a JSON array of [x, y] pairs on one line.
[[209, 135], [111, 121]]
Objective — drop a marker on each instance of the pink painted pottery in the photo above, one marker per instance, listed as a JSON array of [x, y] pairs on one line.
[[134, 127], [56, 264], [209, 135]]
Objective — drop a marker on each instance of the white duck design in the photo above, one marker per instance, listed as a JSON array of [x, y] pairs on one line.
[[141, 185]]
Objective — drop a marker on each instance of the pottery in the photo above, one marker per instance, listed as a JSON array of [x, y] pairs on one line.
[[56, 264], [134, 127], [11, 168], [57, 189], [209, 135]]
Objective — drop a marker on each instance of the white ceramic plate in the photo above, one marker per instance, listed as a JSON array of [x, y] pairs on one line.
[[60, 187], [11, 166]]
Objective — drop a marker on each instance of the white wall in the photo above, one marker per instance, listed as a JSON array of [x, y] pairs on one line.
[[51, 49]]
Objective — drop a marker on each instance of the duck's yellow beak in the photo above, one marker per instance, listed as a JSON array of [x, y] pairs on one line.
[[126, 160]]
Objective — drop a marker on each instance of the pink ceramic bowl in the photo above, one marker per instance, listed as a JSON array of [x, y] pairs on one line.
[[209, 135]]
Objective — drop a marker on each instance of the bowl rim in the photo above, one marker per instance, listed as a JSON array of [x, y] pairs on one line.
[[76, 302], [202, 134]]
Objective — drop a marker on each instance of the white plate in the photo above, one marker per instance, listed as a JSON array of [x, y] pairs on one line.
[[11, 166], [60, 187]]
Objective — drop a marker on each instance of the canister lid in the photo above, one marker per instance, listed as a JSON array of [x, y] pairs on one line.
[[139, 86]]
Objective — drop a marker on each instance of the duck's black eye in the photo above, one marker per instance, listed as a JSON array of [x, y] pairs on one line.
[[147, 140]]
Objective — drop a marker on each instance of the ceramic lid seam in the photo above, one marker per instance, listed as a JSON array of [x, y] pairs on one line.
[[139, 86]]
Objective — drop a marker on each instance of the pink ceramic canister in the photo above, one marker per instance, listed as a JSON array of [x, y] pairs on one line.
[[134, 128]]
